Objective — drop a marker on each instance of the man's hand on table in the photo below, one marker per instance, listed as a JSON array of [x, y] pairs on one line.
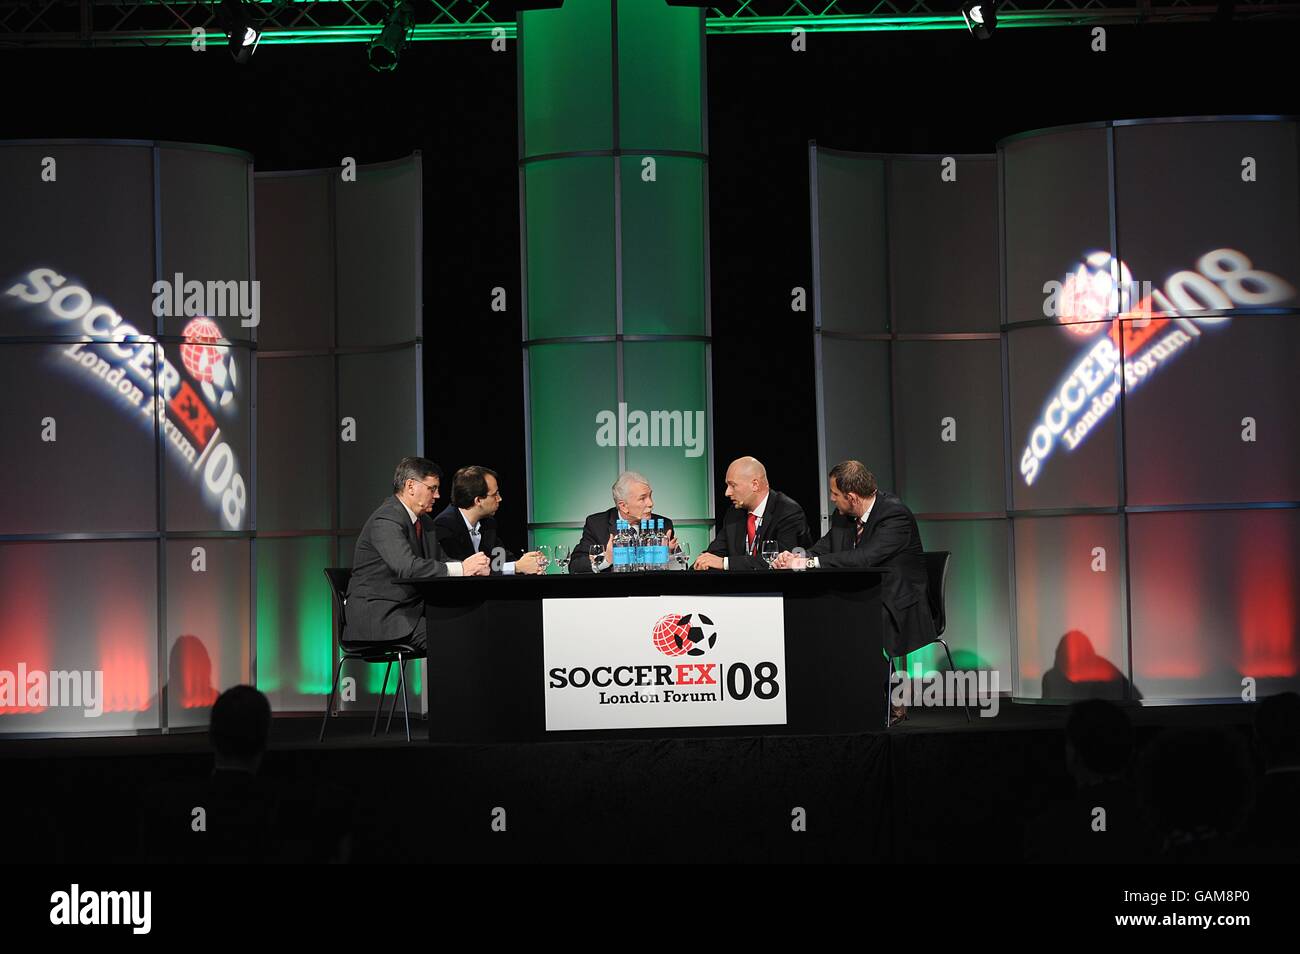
[[790, 561], [477, 565], [708, 561], [529, 563]]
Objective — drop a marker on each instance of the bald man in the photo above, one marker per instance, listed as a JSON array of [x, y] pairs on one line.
[[758, 515]]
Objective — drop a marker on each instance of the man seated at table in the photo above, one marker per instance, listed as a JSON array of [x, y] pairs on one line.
[[398, 540], [633, 502], [469, 525], [872, 528], [758, 515]]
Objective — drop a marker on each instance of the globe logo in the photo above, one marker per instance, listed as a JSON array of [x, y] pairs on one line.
[[206, 358], [1090, 294], [684, 635], [200, 353]]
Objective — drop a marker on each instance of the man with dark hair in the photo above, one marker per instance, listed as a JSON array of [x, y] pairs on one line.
[[872, 528], [398, 541], [1275, 828], [233, 814], [238, 728], [758, 515], [1100, 822], [469, 525]]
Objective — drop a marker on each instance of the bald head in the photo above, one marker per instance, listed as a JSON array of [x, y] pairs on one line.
[[746, 483]]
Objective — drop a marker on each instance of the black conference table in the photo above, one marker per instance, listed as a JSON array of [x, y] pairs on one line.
[[488, 681]]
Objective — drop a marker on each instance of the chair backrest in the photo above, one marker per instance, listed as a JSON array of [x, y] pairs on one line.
[[936, 571], [339, 578]]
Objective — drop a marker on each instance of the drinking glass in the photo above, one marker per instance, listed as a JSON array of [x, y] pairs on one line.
[[562, 557], [597, 557], [771, 550], [684, 555]]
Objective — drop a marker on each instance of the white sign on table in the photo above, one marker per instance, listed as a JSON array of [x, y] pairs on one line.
[[649, 662]]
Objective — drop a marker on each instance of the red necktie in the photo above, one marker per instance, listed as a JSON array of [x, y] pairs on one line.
[[749, 534]]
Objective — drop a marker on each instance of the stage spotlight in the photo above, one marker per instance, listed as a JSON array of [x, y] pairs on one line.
[[981, 17], [237, 20], [385, 49]]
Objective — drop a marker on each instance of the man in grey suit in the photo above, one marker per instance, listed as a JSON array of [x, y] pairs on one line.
[[398, 540]]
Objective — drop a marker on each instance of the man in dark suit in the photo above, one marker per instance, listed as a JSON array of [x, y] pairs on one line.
[[758, 515], [398, 540], [633, 502], [469, 525], [872, 528]]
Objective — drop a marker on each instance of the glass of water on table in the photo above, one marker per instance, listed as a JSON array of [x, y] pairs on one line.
[[597, 557], [562, 557], [544, 557]]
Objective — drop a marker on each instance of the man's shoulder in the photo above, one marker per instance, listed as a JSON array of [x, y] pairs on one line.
[[784, 503], [389, 509], [449, 519], [601, 517], [892, 503]]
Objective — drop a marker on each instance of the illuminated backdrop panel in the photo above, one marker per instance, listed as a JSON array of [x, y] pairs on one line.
[[1151, 271], [906, 312], [127, 310], [614, 199]]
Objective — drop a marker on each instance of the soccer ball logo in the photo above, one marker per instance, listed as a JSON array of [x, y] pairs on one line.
[[207, 358], [1090, 295], [688, 635]]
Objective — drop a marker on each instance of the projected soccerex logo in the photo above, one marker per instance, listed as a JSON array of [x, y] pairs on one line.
[[133, 372], [650, 662], [1155, 326]]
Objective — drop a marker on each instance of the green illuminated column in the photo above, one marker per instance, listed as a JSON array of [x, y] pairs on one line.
[[614, 197]]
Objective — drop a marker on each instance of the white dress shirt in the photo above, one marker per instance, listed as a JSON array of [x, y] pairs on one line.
[[757, 512], [475, 535], [453, 568]]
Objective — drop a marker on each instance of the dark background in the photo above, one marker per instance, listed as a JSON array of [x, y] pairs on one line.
[[937, 92]]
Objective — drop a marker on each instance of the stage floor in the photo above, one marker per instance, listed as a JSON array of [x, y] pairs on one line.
[[352, 731], [934, 789]]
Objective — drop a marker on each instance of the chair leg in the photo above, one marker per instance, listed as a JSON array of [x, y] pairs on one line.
[[406, 709], [397, 687], [889, 685], [382, 689], [329, 703], [401, 687], [953, 667]]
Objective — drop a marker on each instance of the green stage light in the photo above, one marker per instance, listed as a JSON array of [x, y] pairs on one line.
[[385, 49]]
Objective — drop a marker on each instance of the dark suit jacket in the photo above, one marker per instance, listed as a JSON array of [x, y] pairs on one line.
[[378, 608], [453, 536], [783, 521], [598, 529], [891, 540]]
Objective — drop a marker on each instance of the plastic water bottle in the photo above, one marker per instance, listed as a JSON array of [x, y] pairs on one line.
[[621, 561], [641, 538], [662, 547]]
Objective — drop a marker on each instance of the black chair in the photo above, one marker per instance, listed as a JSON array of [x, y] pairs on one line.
[[936, 572], [371, 651]]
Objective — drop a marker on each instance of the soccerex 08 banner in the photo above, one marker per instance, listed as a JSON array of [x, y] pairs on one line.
[[664, 661]]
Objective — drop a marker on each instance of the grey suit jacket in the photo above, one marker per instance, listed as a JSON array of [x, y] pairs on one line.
[[377, 607]]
